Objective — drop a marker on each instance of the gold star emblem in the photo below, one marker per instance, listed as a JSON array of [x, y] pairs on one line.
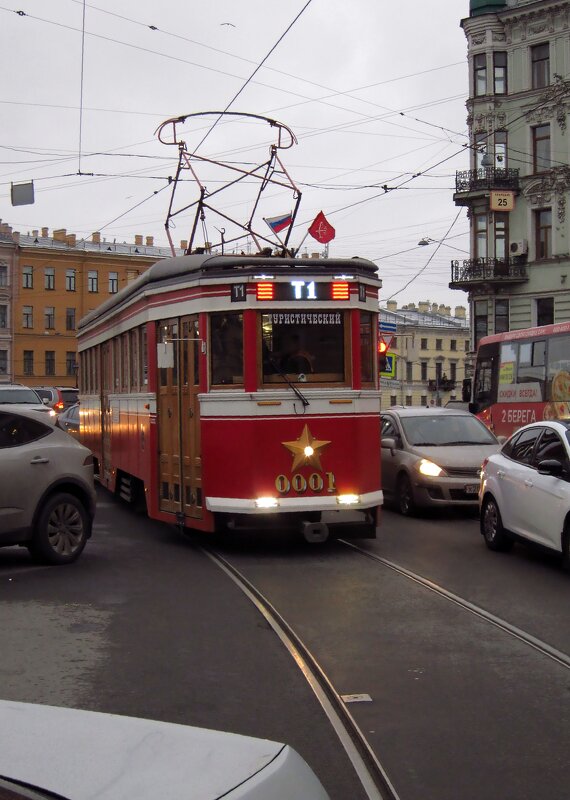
[[306, 449]]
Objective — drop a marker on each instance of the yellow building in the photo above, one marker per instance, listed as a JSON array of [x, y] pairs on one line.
[[429, 349], [58, 279]]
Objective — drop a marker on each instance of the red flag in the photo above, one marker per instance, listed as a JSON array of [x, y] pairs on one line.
[[321, 229]]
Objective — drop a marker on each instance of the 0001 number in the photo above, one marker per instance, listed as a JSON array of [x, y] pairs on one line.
[[300, 484]]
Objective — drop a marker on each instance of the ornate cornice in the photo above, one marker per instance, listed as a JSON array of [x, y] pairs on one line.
[[553, 103], [552, 186]]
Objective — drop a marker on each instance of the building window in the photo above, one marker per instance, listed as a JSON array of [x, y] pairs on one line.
[[439, 344], [543, 233], [481, 320], [49, 278], [501, 234], [3, 362], [541, 148], [467, 345], [501, 150], [501, 316], [49, 318], [423, 367], [409, 371], [27, 277], [28, 362], [3, 275], [480, 74], [393, 343], [3, 316], [113, 282], [50, 362], [500, 73], [70, 362], [393, 400], [540, 59], [27, 316], [70, 280], [408, 399], [438, 371], [424, 344], [480, 223], [92, 281], [453, 344], [453, 371], [481, 142], [424, 399], [544, 311], [69, 319]]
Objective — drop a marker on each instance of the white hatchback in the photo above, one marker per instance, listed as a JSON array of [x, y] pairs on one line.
[[525, 489]]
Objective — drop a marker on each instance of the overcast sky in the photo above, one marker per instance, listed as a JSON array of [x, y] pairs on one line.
[[374, 92]]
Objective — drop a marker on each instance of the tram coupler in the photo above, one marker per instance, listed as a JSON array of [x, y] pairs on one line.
[[180, 521], [314, 532]]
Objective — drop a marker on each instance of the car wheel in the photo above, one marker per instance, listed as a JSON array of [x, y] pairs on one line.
[[496, 538], [405, 496], [61, 530]]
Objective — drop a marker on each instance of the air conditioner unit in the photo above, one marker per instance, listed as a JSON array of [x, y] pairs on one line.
[[519, 248]]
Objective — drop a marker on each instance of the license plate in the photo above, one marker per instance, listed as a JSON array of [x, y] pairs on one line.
[[471, 488]]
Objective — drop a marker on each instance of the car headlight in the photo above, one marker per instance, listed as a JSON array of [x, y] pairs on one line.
[[430, 469]]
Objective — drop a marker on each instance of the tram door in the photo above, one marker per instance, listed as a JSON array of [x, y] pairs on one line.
[[190, 417], [169, 415]]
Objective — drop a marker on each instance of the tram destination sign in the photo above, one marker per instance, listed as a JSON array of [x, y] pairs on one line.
[[299, 290]]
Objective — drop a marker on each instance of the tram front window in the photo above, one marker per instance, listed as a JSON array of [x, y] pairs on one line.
[[226, 349], [309, 344]]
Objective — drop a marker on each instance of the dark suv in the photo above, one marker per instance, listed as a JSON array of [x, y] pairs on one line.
[[59, 397]]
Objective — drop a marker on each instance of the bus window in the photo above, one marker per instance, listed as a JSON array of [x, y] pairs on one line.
[[558, 374], [532, 365], [226, 349], [483, 395], [310, 344]]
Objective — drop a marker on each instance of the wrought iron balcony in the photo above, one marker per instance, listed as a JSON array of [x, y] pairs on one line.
[[465, 274], [485, 179], [441, 385]]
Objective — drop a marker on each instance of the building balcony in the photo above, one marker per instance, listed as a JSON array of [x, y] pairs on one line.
[[472, 183], [491, 271], [443, 385]]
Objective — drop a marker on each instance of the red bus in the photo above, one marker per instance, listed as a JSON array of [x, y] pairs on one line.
[[522, 376], [239, 391]]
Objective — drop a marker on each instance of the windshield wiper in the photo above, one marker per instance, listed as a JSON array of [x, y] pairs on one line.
[[289, 382]]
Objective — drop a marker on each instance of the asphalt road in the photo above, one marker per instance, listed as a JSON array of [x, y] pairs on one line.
[[144, 624]]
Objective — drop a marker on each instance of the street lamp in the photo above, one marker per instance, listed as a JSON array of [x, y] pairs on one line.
[[425, 240]]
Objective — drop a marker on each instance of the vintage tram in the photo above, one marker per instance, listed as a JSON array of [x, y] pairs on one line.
[[228, 391]]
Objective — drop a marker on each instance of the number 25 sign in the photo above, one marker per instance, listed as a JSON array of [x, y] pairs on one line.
[[502, 201]]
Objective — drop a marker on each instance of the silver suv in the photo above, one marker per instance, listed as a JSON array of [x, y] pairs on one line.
[[18, 394], [47, 493], [433, 457]]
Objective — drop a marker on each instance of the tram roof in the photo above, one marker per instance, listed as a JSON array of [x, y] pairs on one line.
[[170, 271]]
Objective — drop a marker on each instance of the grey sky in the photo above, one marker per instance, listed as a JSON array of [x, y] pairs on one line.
[[374, 91]]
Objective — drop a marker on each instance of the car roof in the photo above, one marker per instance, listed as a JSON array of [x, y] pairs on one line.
[[560, 425], [430, 411], [32, 413]]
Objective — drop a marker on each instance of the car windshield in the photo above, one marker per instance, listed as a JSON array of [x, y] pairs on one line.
[[23, 395], [446, 430]]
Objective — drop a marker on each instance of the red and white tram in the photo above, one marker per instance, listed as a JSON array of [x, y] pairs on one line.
[[239, 391]]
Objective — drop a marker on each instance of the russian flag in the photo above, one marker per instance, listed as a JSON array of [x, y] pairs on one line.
[[278, 224]]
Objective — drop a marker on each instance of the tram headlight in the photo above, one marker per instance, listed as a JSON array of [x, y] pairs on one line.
[[348, 499], [267, 502], [430, 469]]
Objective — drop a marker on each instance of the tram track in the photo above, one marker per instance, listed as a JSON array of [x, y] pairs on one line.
[[373, 777], [512, 630]]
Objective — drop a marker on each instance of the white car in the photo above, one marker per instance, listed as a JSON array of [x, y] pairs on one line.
[[118, 757], [17, 394], [525, 489], [47, 492]]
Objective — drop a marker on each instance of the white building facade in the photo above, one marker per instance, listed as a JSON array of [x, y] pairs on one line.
[[517, 189]]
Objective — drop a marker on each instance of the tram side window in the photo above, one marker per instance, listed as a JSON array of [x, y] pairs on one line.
[[484, 382], [532, 365], [308, 344], [226, 349], [366, 346], [558, 374]]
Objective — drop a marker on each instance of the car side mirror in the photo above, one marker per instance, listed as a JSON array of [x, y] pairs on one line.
[[551, 466], [388, 443]]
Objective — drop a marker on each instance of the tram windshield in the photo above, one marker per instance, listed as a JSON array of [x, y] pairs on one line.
[[308, 344]]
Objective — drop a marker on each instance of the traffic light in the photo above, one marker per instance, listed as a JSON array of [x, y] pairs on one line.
[[382, 355]]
